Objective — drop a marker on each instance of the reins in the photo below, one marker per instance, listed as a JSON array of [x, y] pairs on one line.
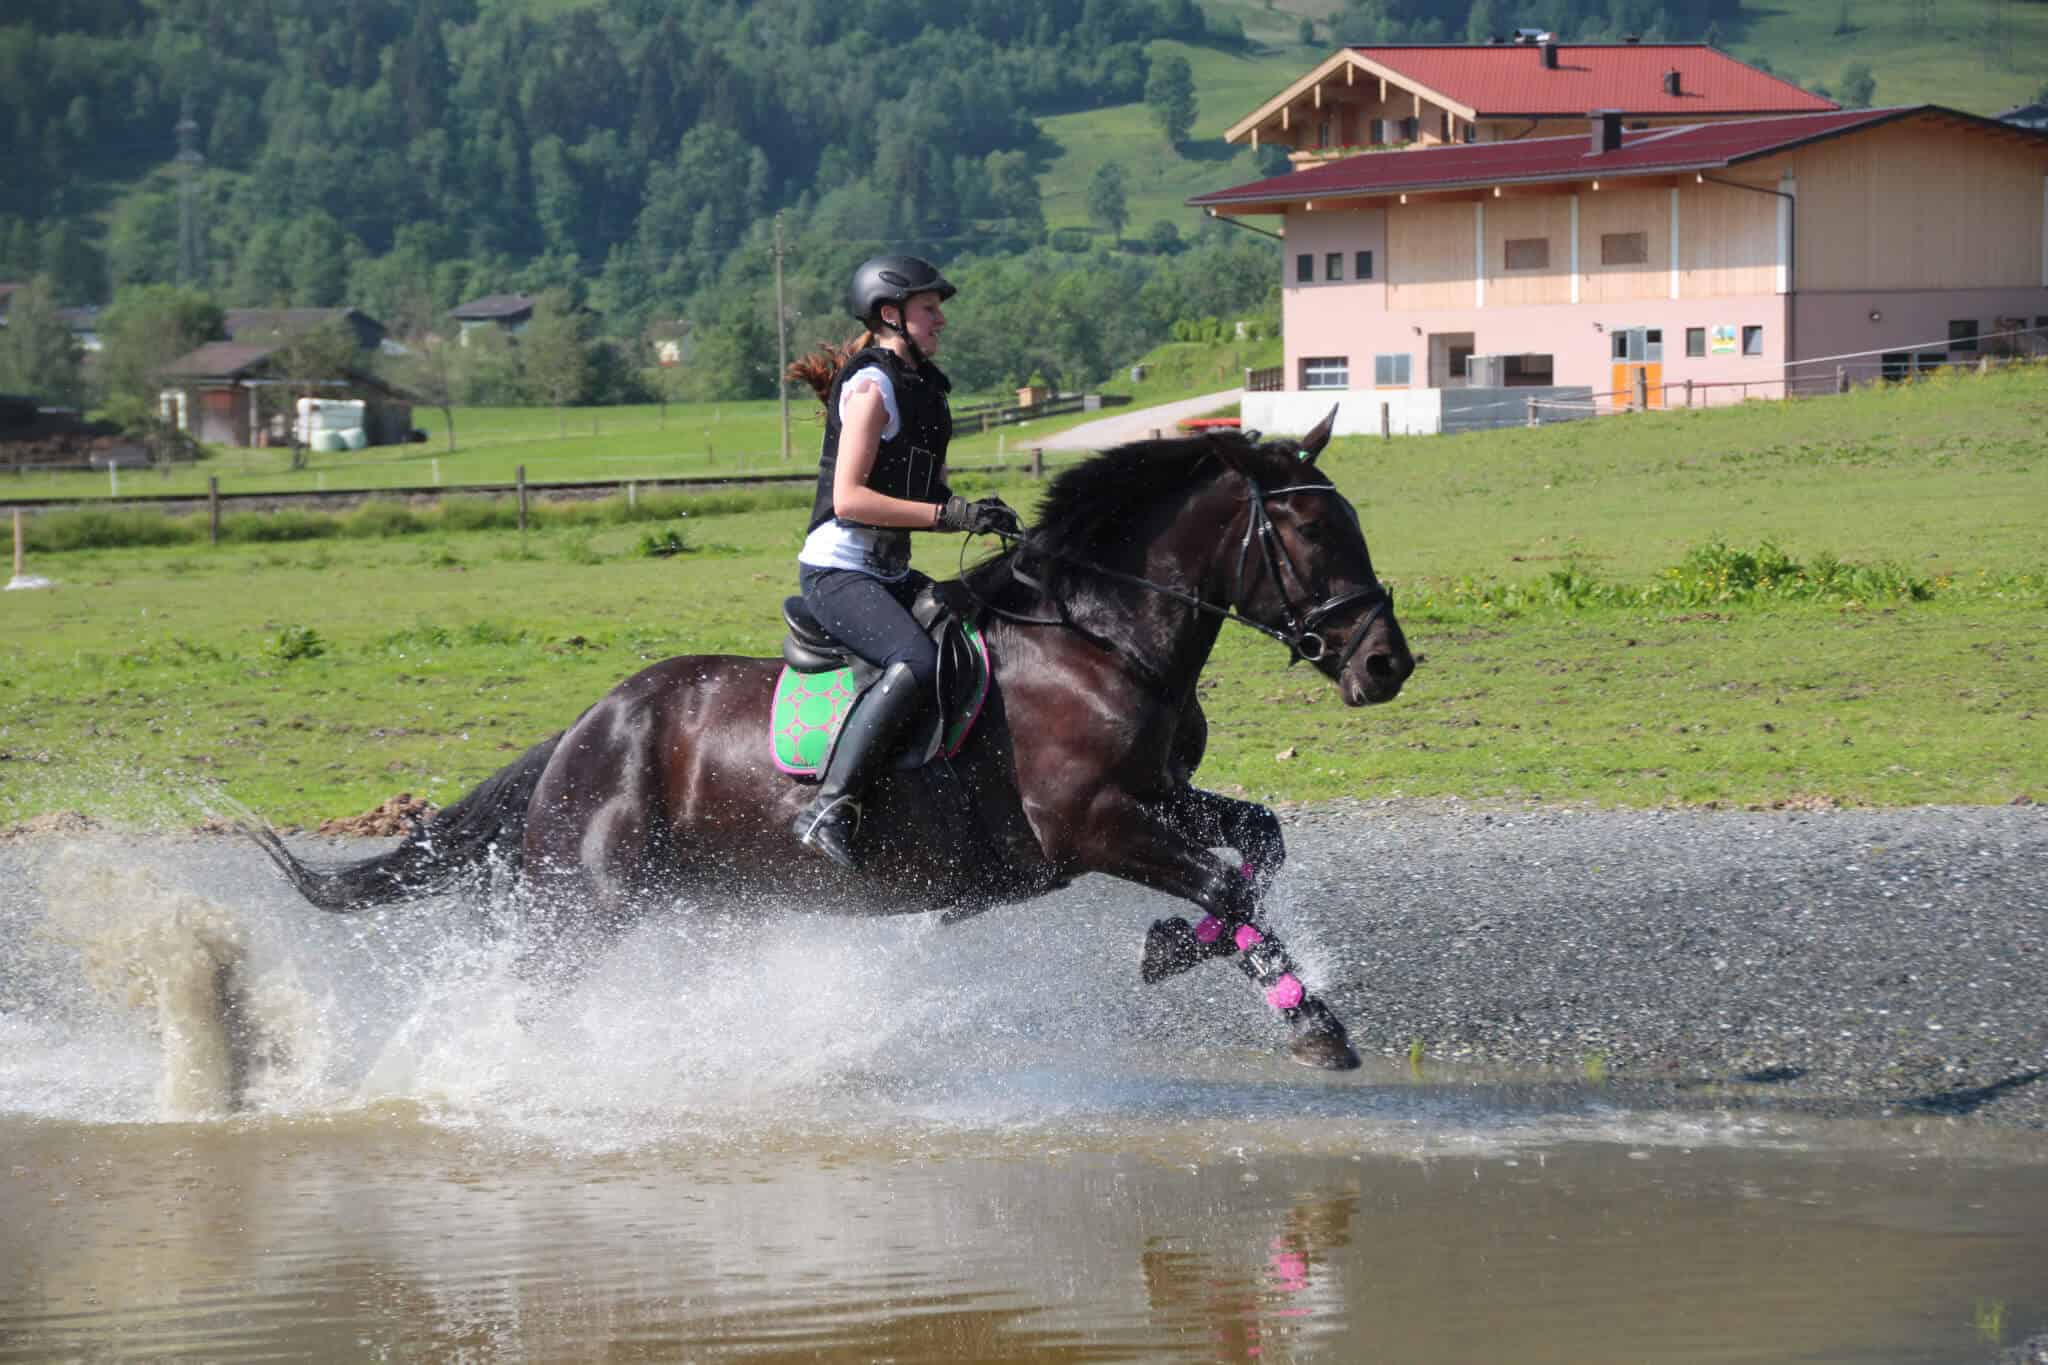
[[1303, 628]]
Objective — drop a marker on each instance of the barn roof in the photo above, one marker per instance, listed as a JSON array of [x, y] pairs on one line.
[[492, 308], [1651, 151], [219, 360]]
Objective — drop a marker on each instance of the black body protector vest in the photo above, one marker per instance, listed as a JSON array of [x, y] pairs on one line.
[[911, 464]]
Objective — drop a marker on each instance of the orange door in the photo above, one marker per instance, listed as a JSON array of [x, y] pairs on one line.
[[1624, 379]]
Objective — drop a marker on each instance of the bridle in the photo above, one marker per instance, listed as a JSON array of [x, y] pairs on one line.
[[1302, 633]]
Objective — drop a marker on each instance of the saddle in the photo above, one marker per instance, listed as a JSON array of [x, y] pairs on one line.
[[822, 680]]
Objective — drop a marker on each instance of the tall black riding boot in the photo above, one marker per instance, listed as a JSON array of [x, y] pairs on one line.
[[866, 745]]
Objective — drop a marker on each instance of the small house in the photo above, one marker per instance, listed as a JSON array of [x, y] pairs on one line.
[[509, 313], [215, 393]]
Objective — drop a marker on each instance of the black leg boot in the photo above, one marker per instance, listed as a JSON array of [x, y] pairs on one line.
[[865, 746]]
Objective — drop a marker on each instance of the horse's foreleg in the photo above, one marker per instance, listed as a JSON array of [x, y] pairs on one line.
[[1144, 844], [1247, 828]]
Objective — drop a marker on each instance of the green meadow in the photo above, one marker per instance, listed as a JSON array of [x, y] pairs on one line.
[[1840, 600]]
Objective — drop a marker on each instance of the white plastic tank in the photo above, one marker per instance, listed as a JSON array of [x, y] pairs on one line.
[[317, 415]]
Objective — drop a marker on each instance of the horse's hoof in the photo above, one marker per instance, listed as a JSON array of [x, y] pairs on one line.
[[1325, 1051], [1319, 1039]]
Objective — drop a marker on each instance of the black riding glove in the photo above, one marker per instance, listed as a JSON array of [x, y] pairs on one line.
[[981, 517]]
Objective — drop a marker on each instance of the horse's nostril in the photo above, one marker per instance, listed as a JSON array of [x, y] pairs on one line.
[[1379, 667]]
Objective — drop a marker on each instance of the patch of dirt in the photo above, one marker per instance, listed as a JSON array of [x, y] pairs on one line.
[[51, 822], [397, 816]]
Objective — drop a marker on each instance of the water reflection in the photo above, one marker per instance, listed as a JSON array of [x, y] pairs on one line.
[[1244, 1309]]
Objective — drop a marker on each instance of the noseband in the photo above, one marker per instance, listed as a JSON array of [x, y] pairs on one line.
[[1303, 635], [1303, 628]]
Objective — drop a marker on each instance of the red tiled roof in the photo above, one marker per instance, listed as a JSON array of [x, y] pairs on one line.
[[1653, 151], [1510, 79]]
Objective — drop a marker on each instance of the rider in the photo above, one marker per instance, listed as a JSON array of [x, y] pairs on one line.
[[881, 475]]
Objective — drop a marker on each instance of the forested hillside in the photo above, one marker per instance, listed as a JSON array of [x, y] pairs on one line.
[[402, 155]]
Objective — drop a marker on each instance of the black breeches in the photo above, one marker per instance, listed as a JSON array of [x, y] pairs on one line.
[[872, 618]]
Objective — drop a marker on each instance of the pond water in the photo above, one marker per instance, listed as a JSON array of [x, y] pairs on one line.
[[233, 1127]]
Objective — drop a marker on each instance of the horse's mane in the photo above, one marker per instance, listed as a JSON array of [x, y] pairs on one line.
[[1091, 509]]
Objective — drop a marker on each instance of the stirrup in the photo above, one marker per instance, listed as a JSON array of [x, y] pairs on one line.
[[832, 830]]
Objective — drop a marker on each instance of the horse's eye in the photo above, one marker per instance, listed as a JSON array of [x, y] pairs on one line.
[[1314, 532]]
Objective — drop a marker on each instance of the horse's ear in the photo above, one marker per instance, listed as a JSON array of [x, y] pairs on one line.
[[1313, 443]]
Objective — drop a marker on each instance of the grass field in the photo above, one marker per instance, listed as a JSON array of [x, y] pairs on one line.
[[1158, 179], [1568, 654], [689, 439]]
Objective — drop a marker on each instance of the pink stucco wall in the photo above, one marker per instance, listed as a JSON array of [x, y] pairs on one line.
[[1352, 319], [1916, 320]]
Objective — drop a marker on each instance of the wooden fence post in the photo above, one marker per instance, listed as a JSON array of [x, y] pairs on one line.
[[1639, 389], [1386, 422], [522, 499], [1688, 393], [1534, 420], [1038, 462], [212, 510], [1841, 379]]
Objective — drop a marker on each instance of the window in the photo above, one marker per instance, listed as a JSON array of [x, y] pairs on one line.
[[1624, 248], [1390, 371], [1333, 266], [1528, 253], [1962, 335], [1695, 342], [1364, 264], [1411, 129], [1752, 340], [1304, 269], [1637, 344], [1896, 364], [1528, 371], [1325, 372]]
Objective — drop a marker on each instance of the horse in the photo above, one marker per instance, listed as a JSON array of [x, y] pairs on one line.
[[1097, 623]]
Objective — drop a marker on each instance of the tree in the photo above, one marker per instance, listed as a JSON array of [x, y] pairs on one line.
[[428, 370], [553, 348], [309, 362], [1106, 205], [1858, 85], [1170, 94], [144, 329], [38, 357]]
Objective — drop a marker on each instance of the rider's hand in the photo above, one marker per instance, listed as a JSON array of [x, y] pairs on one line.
[[994, 515], [986, 515]]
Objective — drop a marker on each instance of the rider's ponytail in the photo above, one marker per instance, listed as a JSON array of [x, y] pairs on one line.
[[822, 366]]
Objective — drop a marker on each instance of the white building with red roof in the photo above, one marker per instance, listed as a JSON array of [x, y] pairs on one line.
[[1695, 262]]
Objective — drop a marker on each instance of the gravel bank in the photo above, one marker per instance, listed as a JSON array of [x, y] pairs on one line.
[[1857, 962]]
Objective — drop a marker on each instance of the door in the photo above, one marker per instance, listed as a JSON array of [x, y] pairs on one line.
[[1638, 351]]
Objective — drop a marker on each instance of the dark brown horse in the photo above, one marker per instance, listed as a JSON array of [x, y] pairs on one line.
[[1098, 623]]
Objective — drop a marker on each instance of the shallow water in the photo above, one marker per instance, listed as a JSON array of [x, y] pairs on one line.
[[233, 1127]]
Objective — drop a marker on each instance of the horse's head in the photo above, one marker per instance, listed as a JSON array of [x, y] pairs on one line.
[[1301, 569]]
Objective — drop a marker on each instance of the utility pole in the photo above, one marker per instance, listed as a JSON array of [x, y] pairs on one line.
[[189, 160], [781, 341]]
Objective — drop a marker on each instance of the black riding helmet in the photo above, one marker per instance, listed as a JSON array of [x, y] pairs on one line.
[[892, 279]]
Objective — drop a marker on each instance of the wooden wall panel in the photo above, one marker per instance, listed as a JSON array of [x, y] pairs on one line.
[[1429, 255], [1548, 217], [1727, 241], [1625, 208], [1918, 206]]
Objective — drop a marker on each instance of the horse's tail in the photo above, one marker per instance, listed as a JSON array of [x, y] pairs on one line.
[[490, 819]]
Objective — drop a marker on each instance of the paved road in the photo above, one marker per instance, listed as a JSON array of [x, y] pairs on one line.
[[1134, 425]]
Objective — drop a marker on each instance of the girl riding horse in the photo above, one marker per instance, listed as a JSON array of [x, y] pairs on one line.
[[881, 475]]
